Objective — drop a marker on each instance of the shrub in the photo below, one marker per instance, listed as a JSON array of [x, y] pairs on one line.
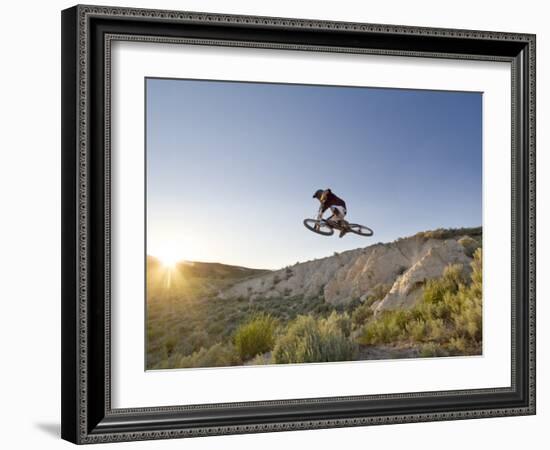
[[310, 340], [170, 343], [261, 360], [477, 274], [417, 329], [470, 245], [432, 349], [195, 340], [436, 329], [340, 322], [446, 233], [458, 346], [467, 321], [256, 336], [361, 314], [450, 282], [376, 333], [216, 328], [378, 292], [390, 326], [216, 356], [323, 308], [352, 305]]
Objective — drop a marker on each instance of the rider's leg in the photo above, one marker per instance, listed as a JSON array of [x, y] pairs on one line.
[[340, 213]]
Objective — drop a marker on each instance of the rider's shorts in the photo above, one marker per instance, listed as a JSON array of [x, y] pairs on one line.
[[338, 210]]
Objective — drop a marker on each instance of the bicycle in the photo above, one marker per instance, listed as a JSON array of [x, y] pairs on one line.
[[326, 227]]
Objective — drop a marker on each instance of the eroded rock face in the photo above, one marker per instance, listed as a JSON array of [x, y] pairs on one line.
[[306, 279], [403, 266], [407, 288]]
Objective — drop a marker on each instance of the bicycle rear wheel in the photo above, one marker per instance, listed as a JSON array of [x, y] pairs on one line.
[[361, 230], [319, 227]]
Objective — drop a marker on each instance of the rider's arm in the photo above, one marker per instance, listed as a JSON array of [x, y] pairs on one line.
[[320, 212], [323, 206]]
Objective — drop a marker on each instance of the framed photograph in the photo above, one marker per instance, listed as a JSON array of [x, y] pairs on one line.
[[277, 224]]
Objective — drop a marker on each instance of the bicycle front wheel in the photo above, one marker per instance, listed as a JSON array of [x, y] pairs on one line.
[[319, 227]]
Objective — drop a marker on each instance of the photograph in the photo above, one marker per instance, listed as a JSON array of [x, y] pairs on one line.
[[295, 223]]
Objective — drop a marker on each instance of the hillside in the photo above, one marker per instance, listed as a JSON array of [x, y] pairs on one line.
[[394, 273], [415, 297], [194, 278]]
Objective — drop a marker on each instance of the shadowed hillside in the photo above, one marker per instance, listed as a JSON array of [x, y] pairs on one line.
[[193, 278]]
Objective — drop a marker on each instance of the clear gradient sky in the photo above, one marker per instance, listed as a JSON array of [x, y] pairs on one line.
[[232, 167]]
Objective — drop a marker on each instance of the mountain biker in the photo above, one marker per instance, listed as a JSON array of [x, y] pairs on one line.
[[336, 205]]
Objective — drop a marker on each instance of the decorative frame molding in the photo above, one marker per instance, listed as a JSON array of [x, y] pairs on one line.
[[87, 34]]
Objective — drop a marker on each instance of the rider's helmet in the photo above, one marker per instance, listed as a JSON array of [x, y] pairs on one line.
[[318, 193]]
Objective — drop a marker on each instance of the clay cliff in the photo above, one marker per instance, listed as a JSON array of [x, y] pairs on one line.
[[392, 273]]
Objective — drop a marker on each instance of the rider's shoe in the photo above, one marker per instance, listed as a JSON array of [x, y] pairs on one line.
[[343, 233]]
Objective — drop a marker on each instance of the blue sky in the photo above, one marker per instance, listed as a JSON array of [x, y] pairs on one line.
[[231, 167]]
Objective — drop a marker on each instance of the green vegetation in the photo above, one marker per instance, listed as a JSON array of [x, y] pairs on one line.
[[361, 314], [377, 293], [256, 336], [447, 233], [470, 245], [218, 355], [447, 321], [309, 340], [189, 326]]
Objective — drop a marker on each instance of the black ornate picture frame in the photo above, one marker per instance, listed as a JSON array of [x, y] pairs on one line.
[[87, 34]]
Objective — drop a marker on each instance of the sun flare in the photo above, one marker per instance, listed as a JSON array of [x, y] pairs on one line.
[[168, 260]]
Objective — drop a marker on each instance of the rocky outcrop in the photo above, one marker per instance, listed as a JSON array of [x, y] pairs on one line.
[[398, 270], [407, 288]]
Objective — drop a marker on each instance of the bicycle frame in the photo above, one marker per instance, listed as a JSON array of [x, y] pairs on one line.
[[336, 224], [332, 223]]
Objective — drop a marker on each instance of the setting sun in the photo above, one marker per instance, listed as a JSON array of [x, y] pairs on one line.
[[168, 260]]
